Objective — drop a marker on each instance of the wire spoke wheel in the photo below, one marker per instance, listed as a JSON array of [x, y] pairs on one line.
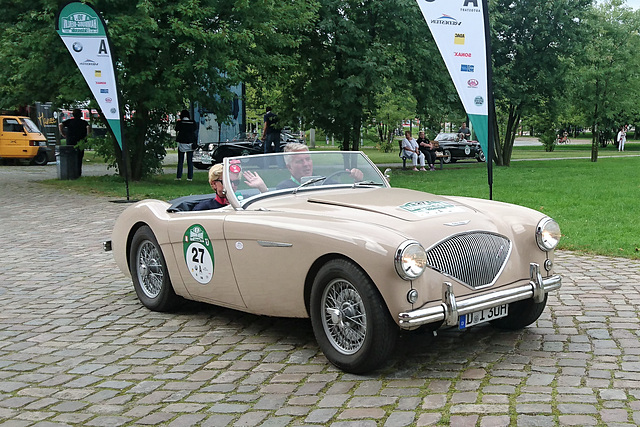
[[350, 319], [345, 319], [150, 271]]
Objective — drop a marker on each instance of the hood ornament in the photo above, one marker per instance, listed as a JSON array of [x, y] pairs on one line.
[[457, 223]]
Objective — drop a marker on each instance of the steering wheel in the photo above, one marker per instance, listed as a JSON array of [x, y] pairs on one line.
[[338, 173]]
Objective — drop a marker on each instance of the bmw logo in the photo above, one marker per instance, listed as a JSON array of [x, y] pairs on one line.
[[77, 47]]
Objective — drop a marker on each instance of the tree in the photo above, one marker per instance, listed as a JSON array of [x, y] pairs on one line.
[[529, 40], [354, 50], [605, 79], [168, 53]]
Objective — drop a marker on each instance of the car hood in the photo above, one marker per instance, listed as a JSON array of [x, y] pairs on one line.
[[403, 204], [409, 212]]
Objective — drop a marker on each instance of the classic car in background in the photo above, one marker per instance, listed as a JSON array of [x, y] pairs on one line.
[[329, 239], [455, 148], [243, 144]]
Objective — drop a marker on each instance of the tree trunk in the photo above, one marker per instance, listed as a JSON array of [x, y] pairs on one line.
[[594, 136], [497, 146]]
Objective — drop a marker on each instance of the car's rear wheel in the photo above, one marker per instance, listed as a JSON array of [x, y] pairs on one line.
[[40, 159], [149, 272], [350, 319], [521, 314]]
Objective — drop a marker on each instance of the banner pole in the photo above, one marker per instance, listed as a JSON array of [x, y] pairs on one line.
[[491, 105]]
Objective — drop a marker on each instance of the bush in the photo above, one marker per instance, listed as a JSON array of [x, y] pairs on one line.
[[548, 139]]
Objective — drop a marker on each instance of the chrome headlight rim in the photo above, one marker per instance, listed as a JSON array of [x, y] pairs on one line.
[[548, 227], [405, 271]]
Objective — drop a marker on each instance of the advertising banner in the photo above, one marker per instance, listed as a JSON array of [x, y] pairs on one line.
[[458, 28], [84, 33]]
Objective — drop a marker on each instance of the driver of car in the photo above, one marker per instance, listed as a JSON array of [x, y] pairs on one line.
[[215, 180], [301, 165]]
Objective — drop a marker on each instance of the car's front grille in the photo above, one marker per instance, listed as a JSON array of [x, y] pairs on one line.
[[474, 259]]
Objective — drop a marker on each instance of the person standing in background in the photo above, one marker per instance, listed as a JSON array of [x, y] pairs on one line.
[[464, 132], [187, 138], [271, 132], [75, 130]]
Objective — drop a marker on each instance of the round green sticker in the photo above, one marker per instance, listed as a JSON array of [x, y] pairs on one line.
[[198, 253]]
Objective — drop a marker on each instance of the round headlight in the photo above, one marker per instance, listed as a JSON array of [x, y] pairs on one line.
[[410, 260], [548, 234]]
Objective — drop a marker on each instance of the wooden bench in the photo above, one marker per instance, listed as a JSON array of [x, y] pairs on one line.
[[439, 157]]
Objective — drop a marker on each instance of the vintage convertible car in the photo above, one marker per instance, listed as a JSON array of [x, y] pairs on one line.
[[455, 148], [339, 245], [243, 144]]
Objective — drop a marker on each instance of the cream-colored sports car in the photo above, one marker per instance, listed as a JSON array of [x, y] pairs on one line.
[[323, 235]]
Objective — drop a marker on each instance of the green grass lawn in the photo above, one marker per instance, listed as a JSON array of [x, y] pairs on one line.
[[595, 203]]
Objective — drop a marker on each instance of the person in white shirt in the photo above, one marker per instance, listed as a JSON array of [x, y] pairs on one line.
[[622, 138], [411, 150]]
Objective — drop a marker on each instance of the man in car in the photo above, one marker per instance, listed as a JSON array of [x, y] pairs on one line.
[[301, 165]]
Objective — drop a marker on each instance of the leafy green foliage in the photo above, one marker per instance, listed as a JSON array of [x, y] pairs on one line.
[[168, 53], [529, 39]]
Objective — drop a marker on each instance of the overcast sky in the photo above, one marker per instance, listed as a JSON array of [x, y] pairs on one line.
[[634, 3]]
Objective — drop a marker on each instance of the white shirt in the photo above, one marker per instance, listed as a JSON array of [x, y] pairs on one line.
[[410, 144]]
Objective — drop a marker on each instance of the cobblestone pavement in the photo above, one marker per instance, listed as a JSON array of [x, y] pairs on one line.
[[77, 348]]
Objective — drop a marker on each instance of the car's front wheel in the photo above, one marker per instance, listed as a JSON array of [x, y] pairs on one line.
[[200, 165], [447, 156], [481, 157], [350, 319], [149, 272], [521, 314], [40, 159]]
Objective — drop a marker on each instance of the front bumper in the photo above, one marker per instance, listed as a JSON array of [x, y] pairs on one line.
[[450, 310]]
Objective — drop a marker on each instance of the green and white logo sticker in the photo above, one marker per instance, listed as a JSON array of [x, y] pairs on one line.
[[430, 208], [198, 253]]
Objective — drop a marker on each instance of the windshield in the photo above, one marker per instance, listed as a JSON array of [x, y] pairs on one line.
[[255, 177], [30, 126]]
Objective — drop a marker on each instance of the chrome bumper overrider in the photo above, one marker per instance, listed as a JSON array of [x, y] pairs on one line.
[[450, 310]]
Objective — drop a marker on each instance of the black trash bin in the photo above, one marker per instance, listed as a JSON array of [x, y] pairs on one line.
[[67, 160]]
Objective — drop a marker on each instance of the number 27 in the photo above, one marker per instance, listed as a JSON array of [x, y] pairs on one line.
[[196, 252]]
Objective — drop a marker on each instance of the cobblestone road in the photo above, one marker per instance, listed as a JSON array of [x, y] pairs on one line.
[[77, 348]]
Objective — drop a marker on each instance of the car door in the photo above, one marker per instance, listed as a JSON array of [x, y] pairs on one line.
[[201, 254], [13, 141]]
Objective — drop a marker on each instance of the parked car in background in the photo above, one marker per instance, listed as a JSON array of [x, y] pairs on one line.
[[455, 148], [243, 144], [20, 138], [328, 238]]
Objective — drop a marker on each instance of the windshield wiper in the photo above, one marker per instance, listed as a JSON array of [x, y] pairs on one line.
[[311, 181], [379, 184]]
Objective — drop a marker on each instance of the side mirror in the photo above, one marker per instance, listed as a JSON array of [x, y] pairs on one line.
[[387, 173]]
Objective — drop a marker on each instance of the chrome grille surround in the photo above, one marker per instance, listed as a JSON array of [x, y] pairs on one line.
[[474, 258]]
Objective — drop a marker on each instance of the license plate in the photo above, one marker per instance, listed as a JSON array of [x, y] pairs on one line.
[[478, 317]]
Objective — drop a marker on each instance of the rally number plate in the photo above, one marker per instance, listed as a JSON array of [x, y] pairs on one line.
[[478, 317]]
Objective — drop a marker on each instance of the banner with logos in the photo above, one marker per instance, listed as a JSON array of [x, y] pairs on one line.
[[458, 28], [84, 33]]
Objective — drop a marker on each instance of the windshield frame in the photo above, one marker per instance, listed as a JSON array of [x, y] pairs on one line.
[[362, 161], [29, 126]]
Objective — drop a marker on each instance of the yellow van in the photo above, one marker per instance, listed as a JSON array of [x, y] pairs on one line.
[[20, 138]]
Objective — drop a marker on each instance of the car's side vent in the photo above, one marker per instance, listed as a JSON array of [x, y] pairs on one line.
[[475, 259]]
